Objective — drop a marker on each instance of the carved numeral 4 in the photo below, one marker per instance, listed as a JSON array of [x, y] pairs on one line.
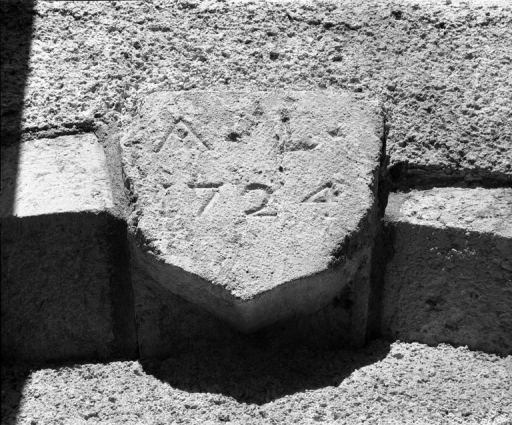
[[324, 194]]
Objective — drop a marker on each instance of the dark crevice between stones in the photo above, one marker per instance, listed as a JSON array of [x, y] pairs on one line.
[[109, 138], [125, 344], [65, 129], [132, 220], [405, 177], [381, 248], [382, 255]]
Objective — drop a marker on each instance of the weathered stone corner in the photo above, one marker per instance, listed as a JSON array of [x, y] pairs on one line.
[[66, 291], [450, 276]]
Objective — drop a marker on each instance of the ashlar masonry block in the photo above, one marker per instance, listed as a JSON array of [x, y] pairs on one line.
[[66, 290], [450, 276], [258, 207]]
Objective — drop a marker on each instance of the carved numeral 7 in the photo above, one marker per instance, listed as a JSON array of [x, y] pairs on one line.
[[212, 190]]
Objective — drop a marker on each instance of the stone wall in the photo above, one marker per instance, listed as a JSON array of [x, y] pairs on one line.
[[440, 71]]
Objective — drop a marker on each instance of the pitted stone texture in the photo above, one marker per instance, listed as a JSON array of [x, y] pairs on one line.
[[450, 276], [49, 176], [247, 197], [66, 290], [478, 210]]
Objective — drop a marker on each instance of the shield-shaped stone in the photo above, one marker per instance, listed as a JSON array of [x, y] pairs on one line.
[[256, 206]]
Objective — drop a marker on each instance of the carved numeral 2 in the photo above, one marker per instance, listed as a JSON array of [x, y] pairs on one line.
[[262, 209]]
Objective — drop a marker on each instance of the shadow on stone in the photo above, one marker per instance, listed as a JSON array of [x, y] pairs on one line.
[[187, 347], [66, 291], [168, 324], [448, 286], [16, 37], [257, 371], [13, 380]]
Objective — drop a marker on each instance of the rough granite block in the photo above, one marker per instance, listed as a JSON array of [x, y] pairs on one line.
[[66, 290], [450, 275], [258, 207]]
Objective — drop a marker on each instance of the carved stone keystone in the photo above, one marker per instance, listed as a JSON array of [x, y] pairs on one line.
[[256, 206]]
